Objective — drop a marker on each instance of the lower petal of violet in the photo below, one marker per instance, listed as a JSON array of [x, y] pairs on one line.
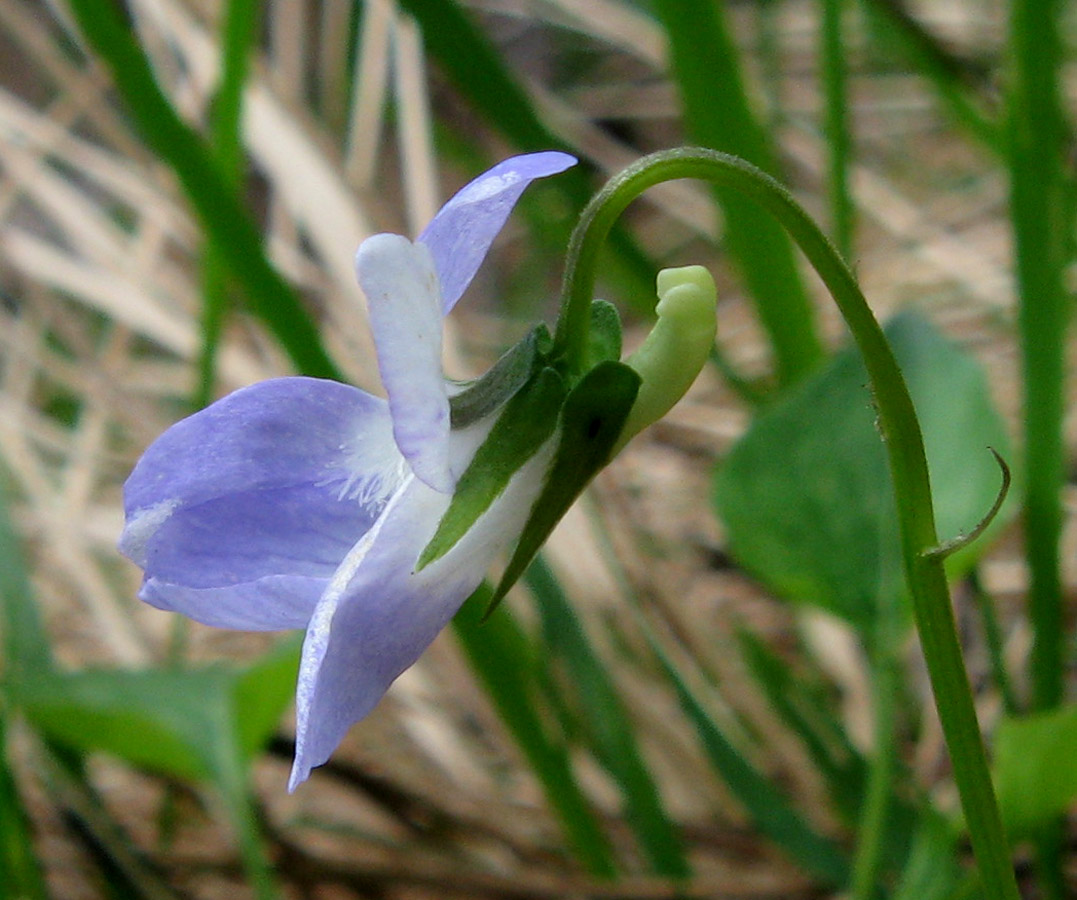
[[240, 513], [378, 615]]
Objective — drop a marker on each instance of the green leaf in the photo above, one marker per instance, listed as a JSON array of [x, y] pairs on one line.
[[481, 397], [192, 724], [605, 333], [806, 494], [263, 692], [802, 706], [591, 421], [608, 724], [525, 424], [165, 721], [1036, 768]]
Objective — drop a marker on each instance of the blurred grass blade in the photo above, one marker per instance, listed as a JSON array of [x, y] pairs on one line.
[[717, 114], [607, 724], [126, 873], [25, 642], [1041, 216], [240, 26], [472, 63], [1041, 229], [954, 80], [765, 804], [227, 224], [805, 712], [836, 126], [932, 871], [20, 872], [503, 661]]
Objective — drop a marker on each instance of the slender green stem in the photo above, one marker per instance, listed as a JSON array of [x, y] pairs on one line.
[[904, 443], [837, 126]]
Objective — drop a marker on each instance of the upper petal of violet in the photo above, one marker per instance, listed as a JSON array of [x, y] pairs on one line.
[[276, 481], [463, 230], [401, 288]]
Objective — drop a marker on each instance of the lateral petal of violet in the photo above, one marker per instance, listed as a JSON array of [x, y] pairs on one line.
[[401, 288], [460, 235], [379, 614], [277, 480]]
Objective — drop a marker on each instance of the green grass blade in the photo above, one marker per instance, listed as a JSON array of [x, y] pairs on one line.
[[240, 27], [718, 115], [765, 804], [126, 873], [805, 713], [20, 872], [472, 63], [220, 213], [503, 661], [836, 128], [1035, 134], [607, 724], [953, 79], [1040, 213], [26, 648]]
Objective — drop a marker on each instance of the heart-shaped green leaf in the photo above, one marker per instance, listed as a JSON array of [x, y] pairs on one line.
[[806, 494]]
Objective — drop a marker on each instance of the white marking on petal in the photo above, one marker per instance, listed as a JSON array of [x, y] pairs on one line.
[[369, 468], [141, 527], [482, 189]]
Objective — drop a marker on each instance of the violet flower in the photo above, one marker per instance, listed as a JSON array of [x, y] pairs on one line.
[[304, 503]]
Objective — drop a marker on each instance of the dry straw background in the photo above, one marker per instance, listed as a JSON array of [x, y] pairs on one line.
[[99, 274]]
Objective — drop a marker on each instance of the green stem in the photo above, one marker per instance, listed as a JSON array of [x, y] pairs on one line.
[[897, 423]]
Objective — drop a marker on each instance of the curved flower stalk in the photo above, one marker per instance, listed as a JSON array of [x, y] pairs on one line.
[[304, 503]]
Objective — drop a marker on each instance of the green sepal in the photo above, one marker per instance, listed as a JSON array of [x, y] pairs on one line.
[[481, 397], [605, 335], [591, 421], [525, 424]]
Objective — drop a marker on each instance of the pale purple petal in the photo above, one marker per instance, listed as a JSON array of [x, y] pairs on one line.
[[401, 287], [463, 230], [270, 603], [240, 513], [379, 615]]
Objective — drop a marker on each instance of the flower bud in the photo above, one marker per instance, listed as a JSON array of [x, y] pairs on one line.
[[674, 352]]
